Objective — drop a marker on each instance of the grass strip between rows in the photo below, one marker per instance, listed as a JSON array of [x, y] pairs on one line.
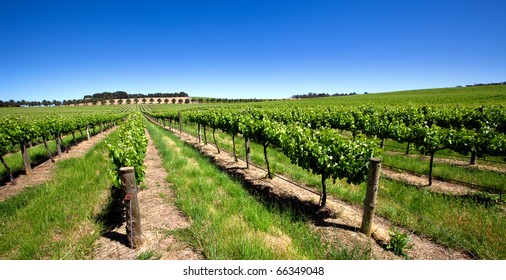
[[228, 222], [58, 219]]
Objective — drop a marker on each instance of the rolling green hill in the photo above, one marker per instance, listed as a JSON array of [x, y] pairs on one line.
[[448, 97]]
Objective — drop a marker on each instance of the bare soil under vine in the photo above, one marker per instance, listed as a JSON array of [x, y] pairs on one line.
[[421, 181], [461, 163]]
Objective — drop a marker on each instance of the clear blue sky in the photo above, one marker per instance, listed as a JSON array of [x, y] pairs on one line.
[[246, 48]]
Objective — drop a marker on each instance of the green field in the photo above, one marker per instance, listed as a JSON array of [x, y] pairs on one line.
[[224, 212], [447, 97]]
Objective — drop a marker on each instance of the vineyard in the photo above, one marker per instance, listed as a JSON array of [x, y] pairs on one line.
[[18, 132], [278, 180]]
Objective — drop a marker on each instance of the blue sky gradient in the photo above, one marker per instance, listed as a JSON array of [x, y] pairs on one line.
[[246, 49]]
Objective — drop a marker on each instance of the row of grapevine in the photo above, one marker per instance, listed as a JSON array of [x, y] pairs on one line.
[[20, 131], [323, 152], [130, 150], [478, 132], [481, 134]]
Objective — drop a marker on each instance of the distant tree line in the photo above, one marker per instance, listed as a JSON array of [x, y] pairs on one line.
[[201, 100], [315, 95], [489, 84], [124, 95], [24, 103], [103, 98]]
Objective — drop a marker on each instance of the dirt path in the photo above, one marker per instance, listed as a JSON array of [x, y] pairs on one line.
[[343, 224], [43, 172], [461, 163], [158, 215], [421, 181]]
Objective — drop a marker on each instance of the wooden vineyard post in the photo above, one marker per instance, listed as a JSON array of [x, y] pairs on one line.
[[233, 147], [133, 217], [88, 132], [248, 154], [58, 145], [179, 119], [431, 167], [370, 195], [199, 133], [26, 159]]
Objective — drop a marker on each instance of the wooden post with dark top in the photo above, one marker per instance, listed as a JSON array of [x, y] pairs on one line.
[[199, 133], [370, 195], [248, 151], [133, 216], [179, 120], [58, 145], [26, 159], [88, 132]]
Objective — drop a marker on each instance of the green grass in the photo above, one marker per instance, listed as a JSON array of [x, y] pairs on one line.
[[57, 220], [449, 220], [228, 222], [149, 255]]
